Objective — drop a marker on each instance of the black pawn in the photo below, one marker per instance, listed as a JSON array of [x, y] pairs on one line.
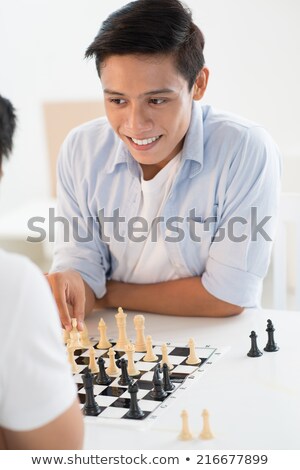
[[124, 379], [102, 377], [91, 407], [135, 411], [271, 346], [254, 351], [158, 393], [168, 385]]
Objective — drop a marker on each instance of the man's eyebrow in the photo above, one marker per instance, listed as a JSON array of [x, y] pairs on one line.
[[152, 92]]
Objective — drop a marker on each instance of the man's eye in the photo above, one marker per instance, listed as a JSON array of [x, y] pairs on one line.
[[117, 101], [157, 100]]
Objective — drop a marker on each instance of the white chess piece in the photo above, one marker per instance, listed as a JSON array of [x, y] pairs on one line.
[[92, 363], [206, 432], [112, 370], [121, 323], [74, 336], [185, 434], [193, 359], [71, 358], [84, 337], [66, 336], [131, 368], [103, 341], [165, 358], [149, 356], [140, 342]]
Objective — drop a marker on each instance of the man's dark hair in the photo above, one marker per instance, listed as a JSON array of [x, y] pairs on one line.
[[7, 127], [152, 27]]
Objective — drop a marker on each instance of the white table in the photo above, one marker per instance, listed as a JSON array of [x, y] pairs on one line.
[[254, 403]]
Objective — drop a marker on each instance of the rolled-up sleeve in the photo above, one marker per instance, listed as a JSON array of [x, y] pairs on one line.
[[78, 245], [240, 252]]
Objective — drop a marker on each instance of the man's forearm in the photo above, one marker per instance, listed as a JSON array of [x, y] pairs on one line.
[[184, 297]]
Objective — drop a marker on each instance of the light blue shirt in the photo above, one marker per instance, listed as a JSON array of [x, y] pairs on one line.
[[228, 182]]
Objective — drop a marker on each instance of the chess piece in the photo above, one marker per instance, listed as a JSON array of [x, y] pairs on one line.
[[92, 364], [206, 432], [103, 341], [185, 434], [66, 336], [158, 393], [84, 337], [74, 336], [254, 351], [149, 356], [193, 359], [165, 357], [271, 346], [102, 377], [139, 324], [168, 385], [124, 379], [112, 370], [91, 407], [135, 411], [71, 358], [121, 323], [132, 370]]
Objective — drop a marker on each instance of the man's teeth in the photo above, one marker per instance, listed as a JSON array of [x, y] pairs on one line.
[[145, 141]]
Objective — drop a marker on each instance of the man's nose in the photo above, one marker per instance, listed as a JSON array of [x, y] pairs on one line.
[[137, 119]]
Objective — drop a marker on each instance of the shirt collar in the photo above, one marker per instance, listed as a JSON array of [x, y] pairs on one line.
[[192, 148]]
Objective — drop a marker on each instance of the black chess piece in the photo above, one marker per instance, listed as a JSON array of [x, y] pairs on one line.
[[254, 351], [271, 346], [91, 407], [135, 412], [168, 385], [158, 392], [124, 379], [102, 377]]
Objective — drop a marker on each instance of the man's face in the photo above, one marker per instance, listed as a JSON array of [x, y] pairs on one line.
[[148, 105]]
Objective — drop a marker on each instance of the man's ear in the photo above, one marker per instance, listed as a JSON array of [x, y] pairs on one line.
[[200, 84]]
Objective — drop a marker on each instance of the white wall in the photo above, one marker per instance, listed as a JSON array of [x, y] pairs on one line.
[[251, 51]]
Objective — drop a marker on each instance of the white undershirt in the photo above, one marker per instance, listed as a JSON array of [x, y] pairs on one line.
[[147, 261]]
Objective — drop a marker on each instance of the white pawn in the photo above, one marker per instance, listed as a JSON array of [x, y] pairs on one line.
[[206, 432], [74, 336], [92, 363], [140, 342], [112, 369], [84, 337], [71, 358], [121, 323], [165, 358], [66, 336], [193, 359], [132, 370], [103, 341], [185, 434], [149, 356]]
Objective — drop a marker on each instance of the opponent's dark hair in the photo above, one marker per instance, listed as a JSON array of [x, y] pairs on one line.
[[152, 27], [7, 127]]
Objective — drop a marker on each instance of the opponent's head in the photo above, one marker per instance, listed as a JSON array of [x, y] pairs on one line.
[[7, 127], [149, 57], [152, 27]]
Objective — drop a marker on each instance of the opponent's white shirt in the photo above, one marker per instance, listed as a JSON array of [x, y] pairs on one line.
[[36, 384], [149, 248]]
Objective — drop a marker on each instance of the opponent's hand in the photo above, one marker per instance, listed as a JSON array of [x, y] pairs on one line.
[[69, 293]]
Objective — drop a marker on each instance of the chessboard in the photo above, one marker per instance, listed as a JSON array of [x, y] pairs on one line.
[[114, 399]]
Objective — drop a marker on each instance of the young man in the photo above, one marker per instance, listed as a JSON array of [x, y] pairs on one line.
[[38, 400], [170, 205]]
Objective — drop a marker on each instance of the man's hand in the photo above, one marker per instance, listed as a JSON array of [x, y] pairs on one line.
[[68, 289]]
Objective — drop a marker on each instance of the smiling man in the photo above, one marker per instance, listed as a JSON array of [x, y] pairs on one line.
[[174, 203]]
